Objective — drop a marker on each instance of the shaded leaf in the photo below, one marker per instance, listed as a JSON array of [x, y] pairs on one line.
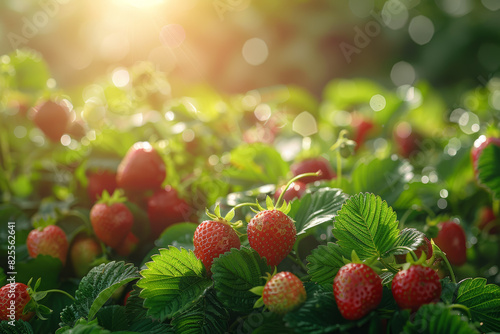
[[113, 318], [324, 263], [18, 327], [488, 166], [235, 273], [409, 237], [173, 282], [316, 208]]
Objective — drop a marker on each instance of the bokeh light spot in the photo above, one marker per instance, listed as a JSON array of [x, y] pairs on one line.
[[442, 203], [377, 102], [492, 5], [403, 73], [262, 112], [172, 35], [114, 47], [20, 131], [455, 8], [403, 130], [188, 135], [255, 51], [421, 29], [120, 77], [305, 124]]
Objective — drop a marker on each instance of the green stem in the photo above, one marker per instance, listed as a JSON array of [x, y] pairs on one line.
[[461, 307], [411, 251], [298, 177], [61, 291], [388, 266], [297, 261], [438, 252], [339, 169]]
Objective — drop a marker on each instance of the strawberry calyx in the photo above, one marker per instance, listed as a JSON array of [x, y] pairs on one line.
[[368, 262], [44, 222], [117, 197], [216, 216], [259, 290], [35, 296]]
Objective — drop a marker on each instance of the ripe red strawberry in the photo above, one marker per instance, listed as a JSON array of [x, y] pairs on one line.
[[295, 190], [100, 180], [362, 127], [452, 241], [283, 293], [311, 166], [416, 286], [272, 234], [166, 208], [213, 238], [487, 221], [13, 298], [111, 219], [141, 169], [84, 250], [357, 290], [406, 139], [425, 247], [127, 246], [479, 145], [50, 240], [52, 118]]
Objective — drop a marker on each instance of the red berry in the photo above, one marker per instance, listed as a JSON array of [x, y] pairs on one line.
[[272, 234], [479, 145], [416, 286], [48, 241], [362, 127], [452, 241], [357, 290], [14, 294], [295, 190], [141, 169], [212, 239], [166, 208], [128, 245], [283, 293], [99, 181], [311, 166], [488, 221], [84, 250], [407, 140], [111, 223], [425, 246], [52, 118]]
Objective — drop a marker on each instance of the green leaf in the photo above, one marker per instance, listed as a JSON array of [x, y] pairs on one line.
[[319, 313], [324, 263], [113, 318], [488, 166], [43, 266], [253, 164], [409, 237], [235, 273], [367, 225], [18, 327], [96, 288], [207, 316], [262, 323], [83, 326], [391, 177], [173, 282], [438, 319], [31, 71], [448, 289], [483, 301], [316, 208], [3, 277], [178, 235]]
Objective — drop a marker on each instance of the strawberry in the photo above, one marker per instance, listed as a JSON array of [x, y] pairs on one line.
[[128, 245], [50, 240], [416, 286], [84, 251], [13, 299], [295, 190], [479, 145], [283, 293], [362, 127], [487, 221], [166, 208], [425, 247], [77, 129], [272, 234], [313, 165], [407, 140], [215, 237], [52, 118], [100, 180], [141, 169], [451, 240], [357, 290], [111, 219]]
